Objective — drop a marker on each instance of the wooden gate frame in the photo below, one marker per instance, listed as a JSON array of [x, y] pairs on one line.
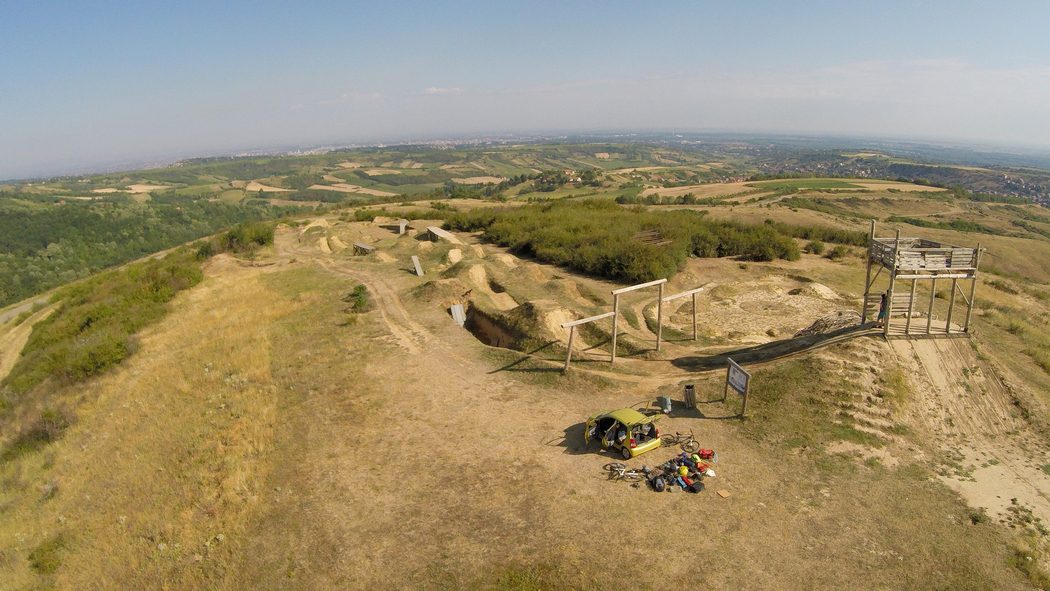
[[659, 310], [572, 333], [688, 292]]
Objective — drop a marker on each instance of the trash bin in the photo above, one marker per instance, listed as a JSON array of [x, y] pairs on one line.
[[664, 402], [690, 396]]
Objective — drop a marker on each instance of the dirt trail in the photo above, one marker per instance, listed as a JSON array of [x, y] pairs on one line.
[[13, 341], [992, 459], [13, 311]]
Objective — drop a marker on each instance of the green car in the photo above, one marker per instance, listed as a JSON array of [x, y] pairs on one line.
[[627, 431]]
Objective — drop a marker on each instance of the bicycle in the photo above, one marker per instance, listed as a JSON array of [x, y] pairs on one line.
[[618, 471], [686, 440]]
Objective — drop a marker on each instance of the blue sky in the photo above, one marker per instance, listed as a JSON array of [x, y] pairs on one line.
[[100, 83]]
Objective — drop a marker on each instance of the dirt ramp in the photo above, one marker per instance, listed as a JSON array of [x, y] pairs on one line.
[[478, 279], [959, 393], [443, 292], [530, 326], [991, 456]]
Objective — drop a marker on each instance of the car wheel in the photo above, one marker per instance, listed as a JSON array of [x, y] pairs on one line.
[[625, 453]]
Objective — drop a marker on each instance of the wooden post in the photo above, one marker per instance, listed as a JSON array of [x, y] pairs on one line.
[[568, 353], [867, 276], [659, 316], [929, 313], [743, 409], [893, 281], [694, 316], [973, 288], [951, 307], [725, 392], [616, 319], [911, 307]]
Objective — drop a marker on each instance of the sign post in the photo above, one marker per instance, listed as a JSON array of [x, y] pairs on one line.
[[739, 380]]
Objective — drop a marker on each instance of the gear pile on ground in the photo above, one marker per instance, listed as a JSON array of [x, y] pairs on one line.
[[686, 471]]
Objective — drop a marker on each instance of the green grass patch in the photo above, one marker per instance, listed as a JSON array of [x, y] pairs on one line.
[[797, 403], [47, 557]]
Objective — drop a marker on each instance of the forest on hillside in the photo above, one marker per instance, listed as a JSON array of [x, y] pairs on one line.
[[43, 245]]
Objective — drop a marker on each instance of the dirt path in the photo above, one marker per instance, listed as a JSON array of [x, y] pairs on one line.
[[13, 311]]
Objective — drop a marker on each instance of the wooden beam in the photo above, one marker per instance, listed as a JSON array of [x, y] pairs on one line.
[[893, 281], [962, 295], [951, 307], [691, 292], [660, 316], [929, 313], [586, 320], [942, 276], [911, 308], [694, 316], [568, 352], [867, 276], [639, 286], [973, 288], [616, 322]]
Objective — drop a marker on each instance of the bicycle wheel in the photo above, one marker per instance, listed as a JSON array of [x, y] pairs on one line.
[[668, 440], [614, 467], [692, 446], [633, 475]]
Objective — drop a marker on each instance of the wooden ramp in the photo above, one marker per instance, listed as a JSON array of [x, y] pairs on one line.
[[775, 349], [437, 233]]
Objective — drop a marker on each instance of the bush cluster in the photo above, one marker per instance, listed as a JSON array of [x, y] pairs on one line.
[[595, 237], [92, 329], [244, 238]]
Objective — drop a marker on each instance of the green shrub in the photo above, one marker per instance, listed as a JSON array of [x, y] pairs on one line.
[[46, 428], [435, 213], [46, 558], [92, 328], [359, 300], [815, 247], [837, 253], [596, 237], [247, 237]]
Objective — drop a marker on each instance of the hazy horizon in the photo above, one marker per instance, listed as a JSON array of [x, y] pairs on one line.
[[93, 86]]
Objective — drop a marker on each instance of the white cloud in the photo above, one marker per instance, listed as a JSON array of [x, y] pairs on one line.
[[439, 90]]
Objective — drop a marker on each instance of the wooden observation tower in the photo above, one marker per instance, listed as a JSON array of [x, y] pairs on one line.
[[917, 268]]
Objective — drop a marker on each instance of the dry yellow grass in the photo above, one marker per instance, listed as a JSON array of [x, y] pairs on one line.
[[159, 475], [702, 191], [255, 187], [479, 180], [143, 188], [348, 188]]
